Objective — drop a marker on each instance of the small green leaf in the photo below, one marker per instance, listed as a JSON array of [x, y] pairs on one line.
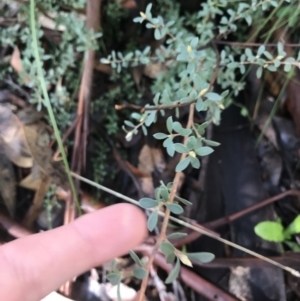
[[261, 49], [156, 98], [293, 246], [175, 208], [195, 162], [287, 68], [164, 193], [152, 220], [174, 273], [144, 129], [270, 231], [182, 200], [202, 257], [139, 273], [129, 123], [198, 82], [170, 124], [114, 278], [177, 127], [259, 72], [148, 203], [167, 248], [248, 19], [249, 54], [160, 136], [157, 34], [294, 227], [191, 143], [211, 143], [176, 235], [170, 258], [180, 148], [204, 151], [151, 117], [135, 258], [105, 61], [182, 165], [199, 104], [244, 112], [213, 96]]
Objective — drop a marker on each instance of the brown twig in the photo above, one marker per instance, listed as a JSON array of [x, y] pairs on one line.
[[230, 218], [167, 213], [81, 132]]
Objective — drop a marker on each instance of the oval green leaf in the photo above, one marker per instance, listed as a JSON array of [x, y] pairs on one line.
[[152, 220], [139, 273], [203, 257], [204, 151], [175, 208], [135, 258], [174, 273], [148, 203], [270, 231], [182, 165], [167, 248]]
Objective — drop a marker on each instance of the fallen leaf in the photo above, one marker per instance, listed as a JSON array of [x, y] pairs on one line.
[[49, 22], [16, 64], [15, 60], [33, 180], [38, 142], [14, 144]]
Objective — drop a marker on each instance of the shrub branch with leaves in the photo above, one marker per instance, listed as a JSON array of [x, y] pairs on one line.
[[198, 65]]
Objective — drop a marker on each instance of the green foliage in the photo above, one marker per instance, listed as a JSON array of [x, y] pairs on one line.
[[274, 231], [270, 231]]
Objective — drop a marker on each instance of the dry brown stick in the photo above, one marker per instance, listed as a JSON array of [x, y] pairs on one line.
[[81, 132], [167, 213], [230, 218], [92, 23]]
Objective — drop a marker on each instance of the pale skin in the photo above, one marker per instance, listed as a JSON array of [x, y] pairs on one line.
[[32, 267]]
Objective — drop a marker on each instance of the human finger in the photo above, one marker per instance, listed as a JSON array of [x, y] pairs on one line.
[[32, 267]]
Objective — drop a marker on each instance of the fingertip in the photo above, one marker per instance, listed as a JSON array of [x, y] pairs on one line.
[[112, 231], [134, 223]]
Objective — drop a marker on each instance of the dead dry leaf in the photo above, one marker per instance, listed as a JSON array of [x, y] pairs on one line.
[[38, 141], [26, 140], [11, 133], [15, 60], [16, 64]]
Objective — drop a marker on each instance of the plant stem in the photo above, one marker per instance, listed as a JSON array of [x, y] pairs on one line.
[[164, 227], [47, 101]]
